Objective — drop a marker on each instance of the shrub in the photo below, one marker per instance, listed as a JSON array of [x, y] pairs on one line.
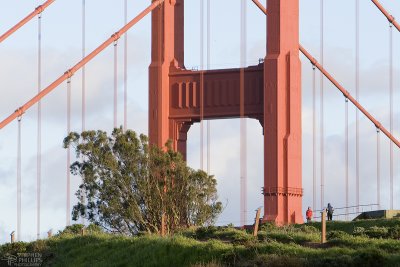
[[205, 232], [394, 232], [337, 234], [268, 227], [359, 231], [13, 248], [377, 232], [94, 229], [309, 229], [262, 235], [72, 229]]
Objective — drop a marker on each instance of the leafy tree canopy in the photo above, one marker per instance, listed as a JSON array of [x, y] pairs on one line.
[[128, 184]]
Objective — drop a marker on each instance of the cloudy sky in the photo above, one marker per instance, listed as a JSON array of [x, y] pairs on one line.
[[61, 42]]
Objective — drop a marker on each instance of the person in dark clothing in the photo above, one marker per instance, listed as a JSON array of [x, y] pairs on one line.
[[329, 211]]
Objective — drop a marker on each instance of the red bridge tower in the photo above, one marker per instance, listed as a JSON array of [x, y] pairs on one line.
[[271, 93]]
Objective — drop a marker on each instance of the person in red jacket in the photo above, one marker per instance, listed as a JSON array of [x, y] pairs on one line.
[[309, 214]]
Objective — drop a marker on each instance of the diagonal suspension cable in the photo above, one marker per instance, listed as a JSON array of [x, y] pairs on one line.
[[79, 65], [38, 10], [345, 92]]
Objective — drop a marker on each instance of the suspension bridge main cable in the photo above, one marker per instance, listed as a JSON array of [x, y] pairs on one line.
[[39, 129], [243, 122], [357, 82], [391, 108], [38, 10], [79, 65], [322, 105], [341, 89]]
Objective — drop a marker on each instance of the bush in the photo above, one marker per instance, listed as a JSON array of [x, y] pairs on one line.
[[359, 231], [262, 235], [337, 235], [205, 232], [74, 229], [94, 229], [394, 232], [377, 232], [268, 227], [308, 229]]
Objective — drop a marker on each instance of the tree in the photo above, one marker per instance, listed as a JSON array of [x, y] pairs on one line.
[[128, 184]]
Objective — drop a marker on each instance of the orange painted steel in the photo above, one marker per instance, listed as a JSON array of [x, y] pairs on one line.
[[390, 18], [272, 95], [20, 111], [341, 88], [25, 20], [260, 6], [282, 115]]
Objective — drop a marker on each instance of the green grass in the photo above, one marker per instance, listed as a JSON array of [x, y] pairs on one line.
[[296, 245]]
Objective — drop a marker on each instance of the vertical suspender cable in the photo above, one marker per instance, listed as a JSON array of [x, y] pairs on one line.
[[208, 68], [19, 181], [201, 84], [378, 168], [68, 208], [391, 109], [115, 84], [125, 67], [83, 67], [243, 122], [357, 17], [314, 142], [347, 155], [83, 88], [322, 103], [39, 129]]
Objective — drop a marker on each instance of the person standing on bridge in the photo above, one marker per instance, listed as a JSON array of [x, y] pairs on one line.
[[309, 214], [329, 210]]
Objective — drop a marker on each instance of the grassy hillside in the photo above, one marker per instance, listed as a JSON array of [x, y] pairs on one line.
[[364, 243]]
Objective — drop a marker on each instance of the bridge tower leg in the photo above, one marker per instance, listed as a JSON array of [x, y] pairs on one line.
[[167, 54], [282, 115]]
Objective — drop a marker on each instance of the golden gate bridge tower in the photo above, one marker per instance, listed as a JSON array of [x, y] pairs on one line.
[[269, 92]]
